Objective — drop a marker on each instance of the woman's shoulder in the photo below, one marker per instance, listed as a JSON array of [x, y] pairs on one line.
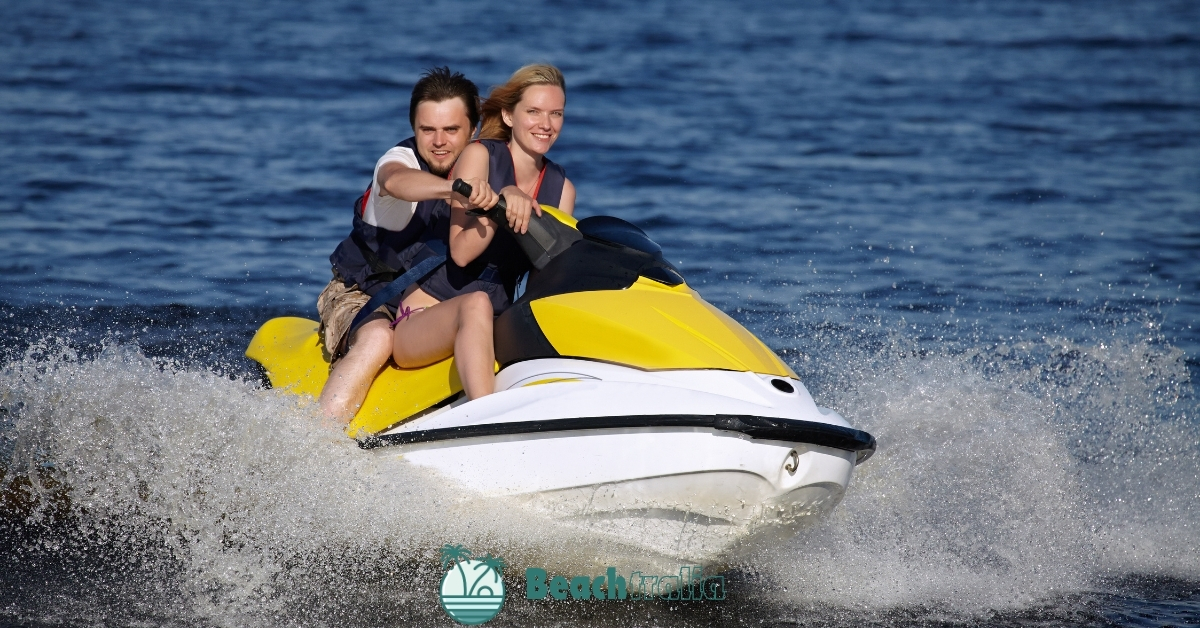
[[475, 150], [492, 145]]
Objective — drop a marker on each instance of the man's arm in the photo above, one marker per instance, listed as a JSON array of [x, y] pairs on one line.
[[399, 180]]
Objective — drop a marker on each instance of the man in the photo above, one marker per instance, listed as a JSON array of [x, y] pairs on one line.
[[408, 188]]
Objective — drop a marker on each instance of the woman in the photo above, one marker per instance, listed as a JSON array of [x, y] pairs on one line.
[[520, 121], [451, 312]]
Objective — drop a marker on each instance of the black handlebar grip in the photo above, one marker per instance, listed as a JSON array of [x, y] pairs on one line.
[[462, 188], [546, 236]]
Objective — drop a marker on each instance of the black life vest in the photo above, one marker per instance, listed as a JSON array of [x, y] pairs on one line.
[[371, 256], [497, 269]]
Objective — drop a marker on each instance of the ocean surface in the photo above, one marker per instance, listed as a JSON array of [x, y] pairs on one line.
[[973, 228]]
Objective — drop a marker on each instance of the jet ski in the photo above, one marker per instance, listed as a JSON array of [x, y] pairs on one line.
[[624, 403]]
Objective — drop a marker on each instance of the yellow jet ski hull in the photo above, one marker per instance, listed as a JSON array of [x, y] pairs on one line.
[[649, 325], [296, 361]]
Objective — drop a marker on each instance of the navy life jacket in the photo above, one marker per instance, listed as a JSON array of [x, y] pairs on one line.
[[371, 257], [497, 269]]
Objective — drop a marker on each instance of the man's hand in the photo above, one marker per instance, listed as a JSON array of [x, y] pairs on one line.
[[482, 195], [520, 206]]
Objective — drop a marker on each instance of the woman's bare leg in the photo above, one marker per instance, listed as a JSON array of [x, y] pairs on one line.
[[352, 376], [461, 327]]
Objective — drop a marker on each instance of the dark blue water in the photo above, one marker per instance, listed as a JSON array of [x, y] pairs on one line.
[[973, 228]]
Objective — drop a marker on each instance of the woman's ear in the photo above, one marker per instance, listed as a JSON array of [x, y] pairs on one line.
[[507, 117]]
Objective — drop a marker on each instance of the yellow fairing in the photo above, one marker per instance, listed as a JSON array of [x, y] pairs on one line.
[[649, 326], [652, 326], [562, 217], [289, 349]]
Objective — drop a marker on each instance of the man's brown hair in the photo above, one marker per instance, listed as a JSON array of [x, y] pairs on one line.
[[440, 84]]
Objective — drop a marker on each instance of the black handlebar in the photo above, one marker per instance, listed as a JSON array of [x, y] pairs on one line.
[[545, 237], [463, 189]]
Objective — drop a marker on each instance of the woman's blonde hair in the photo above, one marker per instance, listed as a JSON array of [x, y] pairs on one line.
[[505, 98]]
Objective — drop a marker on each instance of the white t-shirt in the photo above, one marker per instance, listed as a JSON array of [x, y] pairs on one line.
[[390, 212]]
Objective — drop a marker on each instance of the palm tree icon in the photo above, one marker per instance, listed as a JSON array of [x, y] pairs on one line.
[[456, 554], [477, 602], [487, 564], [495, 562]]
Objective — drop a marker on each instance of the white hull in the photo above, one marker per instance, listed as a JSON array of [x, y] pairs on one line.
[[692, 492]]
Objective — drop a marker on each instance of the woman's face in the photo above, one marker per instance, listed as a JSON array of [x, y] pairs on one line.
[[537, 119]]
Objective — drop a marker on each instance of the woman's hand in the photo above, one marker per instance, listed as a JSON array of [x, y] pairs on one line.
[[482, 195], [520, 206]]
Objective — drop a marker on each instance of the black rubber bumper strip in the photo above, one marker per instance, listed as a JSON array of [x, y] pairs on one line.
[[764, 428]]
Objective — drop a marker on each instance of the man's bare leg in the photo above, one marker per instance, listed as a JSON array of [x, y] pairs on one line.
[[352, 376], [461, 327]]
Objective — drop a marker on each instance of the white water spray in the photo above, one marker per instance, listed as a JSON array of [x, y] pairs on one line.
[[1003, 477]]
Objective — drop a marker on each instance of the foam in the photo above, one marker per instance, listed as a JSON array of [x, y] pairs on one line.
[[258, 506], [1008, 475], [1005, 476]]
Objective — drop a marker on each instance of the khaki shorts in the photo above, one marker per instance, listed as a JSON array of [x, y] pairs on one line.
[[337, 306]]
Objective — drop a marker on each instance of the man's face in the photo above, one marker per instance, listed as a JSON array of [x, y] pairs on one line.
[[443, 131]]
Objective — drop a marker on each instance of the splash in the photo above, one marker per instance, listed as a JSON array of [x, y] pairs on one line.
[[1007, 476], [133, 472]]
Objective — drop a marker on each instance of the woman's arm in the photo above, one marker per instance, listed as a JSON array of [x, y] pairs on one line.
[[469, 235], [566, 204]]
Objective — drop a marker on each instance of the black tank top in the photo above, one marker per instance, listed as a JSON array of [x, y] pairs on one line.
[[497, 269]]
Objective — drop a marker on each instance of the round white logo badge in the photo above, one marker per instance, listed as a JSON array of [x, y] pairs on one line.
[[472, 591]]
